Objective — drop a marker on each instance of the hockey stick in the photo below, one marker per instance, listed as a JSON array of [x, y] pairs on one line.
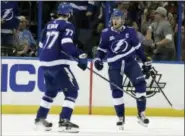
[[75, 59], [152, 74], [167, 99]]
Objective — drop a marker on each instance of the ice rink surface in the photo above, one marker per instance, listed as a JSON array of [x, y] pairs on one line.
[[23, 125]]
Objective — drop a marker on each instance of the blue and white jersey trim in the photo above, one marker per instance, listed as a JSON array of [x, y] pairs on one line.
[[138, 46], [117, 57], [55, 63], [66, 40], [100, 49]]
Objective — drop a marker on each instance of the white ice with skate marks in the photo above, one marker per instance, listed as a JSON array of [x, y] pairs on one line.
[[23, 125]]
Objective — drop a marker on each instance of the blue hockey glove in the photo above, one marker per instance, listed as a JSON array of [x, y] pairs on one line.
[[98, 63], [147, 67], [82, 63]]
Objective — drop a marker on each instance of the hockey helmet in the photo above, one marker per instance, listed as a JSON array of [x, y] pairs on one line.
[[64, 9]]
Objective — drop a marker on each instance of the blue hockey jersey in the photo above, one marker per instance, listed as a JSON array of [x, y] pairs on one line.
[[119, 45], [57, 36], [9, 13]]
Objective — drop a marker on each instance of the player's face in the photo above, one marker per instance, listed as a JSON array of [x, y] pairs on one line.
[[117, 22]]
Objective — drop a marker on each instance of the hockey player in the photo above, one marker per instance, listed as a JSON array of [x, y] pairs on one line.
[[58, 36], [120, 44]]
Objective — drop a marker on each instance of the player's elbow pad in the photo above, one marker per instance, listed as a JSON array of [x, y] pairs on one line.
[[71, 49]]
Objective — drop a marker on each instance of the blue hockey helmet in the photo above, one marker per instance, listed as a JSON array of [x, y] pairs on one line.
[[117, 13], [64, 9]]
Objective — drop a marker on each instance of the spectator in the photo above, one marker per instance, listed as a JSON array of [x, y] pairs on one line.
[[9, 25], [147, 19], [82, 13], [123, 6], [97, 27], [145, 43], [25, 42], [135, 12], [172, 20], [163, 47]]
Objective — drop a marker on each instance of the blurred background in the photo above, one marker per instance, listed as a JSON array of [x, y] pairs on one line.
[[22, 23]]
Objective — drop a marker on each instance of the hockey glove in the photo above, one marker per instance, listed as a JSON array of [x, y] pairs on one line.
[[147, 66], [98, 64], [82, 63]]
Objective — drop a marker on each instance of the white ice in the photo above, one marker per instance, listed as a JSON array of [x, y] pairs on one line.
[[23, 125]]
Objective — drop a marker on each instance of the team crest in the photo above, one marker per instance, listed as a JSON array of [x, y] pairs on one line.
[[119, 46], [153, 86], [7, 14]]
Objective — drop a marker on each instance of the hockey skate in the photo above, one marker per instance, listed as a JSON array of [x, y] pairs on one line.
[[67, 127], [43, 124], [121, 123], [142, 120]]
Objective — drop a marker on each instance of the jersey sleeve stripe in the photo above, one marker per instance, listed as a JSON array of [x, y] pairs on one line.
[[138, 46], [66, 40], [103, 50], [54, 63]]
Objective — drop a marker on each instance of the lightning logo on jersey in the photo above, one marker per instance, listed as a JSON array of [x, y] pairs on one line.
[[119, 46], [7, 14]]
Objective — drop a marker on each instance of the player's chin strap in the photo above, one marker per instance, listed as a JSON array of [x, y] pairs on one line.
[[154, 72]]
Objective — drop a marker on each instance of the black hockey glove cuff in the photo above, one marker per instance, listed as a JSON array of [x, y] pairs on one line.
[[147, 66], [82, 63], [98, 63]]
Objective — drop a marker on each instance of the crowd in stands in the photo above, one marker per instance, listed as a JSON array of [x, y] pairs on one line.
[[19, 22]]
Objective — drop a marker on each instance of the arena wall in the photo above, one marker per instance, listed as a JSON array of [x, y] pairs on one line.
[[22, 87]]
